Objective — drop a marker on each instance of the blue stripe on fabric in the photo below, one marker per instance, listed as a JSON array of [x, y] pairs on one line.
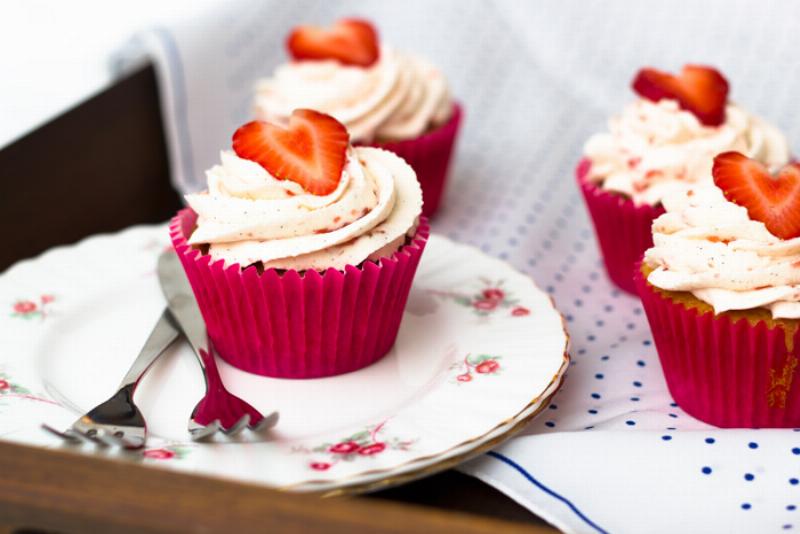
[[521, 470]]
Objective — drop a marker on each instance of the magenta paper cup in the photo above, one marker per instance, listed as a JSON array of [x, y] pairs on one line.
[[623, 229], [291, 324], [429, 155], [723, 370]]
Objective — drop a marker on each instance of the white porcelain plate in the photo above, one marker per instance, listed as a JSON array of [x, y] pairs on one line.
[[480, 351]]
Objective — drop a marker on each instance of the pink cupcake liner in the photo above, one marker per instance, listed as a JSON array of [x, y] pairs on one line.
[[622, 228], [292, 324], [429, 155], [723, 371]]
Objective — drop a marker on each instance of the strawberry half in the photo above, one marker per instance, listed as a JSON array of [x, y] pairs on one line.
[[311, 151], [700, 90], [775, 201], [349, 41]]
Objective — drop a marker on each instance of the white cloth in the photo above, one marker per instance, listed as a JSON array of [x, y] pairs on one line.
[[537, 79]]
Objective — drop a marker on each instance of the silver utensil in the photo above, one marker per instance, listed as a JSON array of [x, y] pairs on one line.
[[218, 410], [118, 421]]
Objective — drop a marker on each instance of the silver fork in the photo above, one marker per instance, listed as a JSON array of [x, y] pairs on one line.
[[118, 420], [218, 410]]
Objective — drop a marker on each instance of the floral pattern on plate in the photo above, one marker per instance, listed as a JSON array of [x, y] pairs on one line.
[[363, 444], [32, 308], [477, 365], [10, 389], [176, 451], [488, 300]]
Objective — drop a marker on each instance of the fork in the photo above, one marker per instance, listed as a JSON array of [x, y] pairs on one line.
[[118, 420], [218, 410]]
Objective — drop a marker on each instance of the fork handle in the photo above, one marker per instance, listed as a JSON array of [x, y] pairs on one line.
[[164, 333]]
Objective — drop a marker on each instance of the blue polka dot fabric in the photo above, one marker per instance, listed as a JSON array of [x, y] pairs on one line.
[[613, 453]]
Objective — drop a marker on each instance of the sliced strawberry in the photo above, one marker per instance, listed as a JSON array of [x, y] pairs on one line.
[[310, 152], [700, 90], [775, 201], [349, 41]]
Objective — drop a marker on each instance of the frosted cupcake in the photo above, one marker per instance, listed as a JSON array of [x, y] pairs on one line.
[[662, 144], [302, 251], [384, 97], [721, 288]]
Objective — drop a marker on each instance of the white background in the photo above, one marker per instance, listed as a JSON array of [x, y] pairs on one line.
[[55, 54]]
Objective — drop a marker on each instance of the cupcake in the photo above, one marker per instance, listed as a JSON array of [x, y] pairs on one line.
[[385, 98], [721, 289], [302, 251], [661, 144]]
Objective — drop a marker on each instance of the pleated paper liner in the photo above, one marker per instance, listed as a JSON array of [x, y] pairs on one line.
[[429, 155], [300, 325], [623, 229], [732, 370]]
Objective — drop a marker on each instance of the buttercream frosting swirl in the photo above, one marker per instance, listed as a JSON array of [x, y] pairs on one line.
[[711, 247], [655, 149], [399, 97], [248, 216]]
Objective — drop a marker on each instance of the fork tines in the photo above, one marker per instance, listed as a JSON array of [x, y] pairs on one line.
[[97, 435]]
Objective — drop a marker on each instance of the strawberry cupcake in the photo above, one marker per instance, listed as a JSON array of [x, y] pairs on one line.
[[302, 251], [721, 289], [384, 97], [661, 144]]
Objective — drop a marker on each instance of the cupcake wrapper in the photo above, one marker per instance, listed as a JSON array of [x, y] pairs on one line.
[[429, 156], [622, 228], [300, 325], [727, 373]]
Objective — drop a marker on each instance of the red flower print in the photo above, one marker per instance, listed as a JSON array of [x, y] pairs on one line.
[[494, 294], [520, 311], [487, 367], [466, 377], [345, 447], [47, 299], [159, 454], [4, 384], [367, 442], [485, 305], [369, 450], [25, 306], [319, 466]]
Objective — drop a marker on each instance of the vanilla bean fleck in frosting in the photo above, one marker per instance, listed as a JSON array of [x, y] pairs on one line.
[[655, 149], [399, 97], [710, 247], [248, 216]]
